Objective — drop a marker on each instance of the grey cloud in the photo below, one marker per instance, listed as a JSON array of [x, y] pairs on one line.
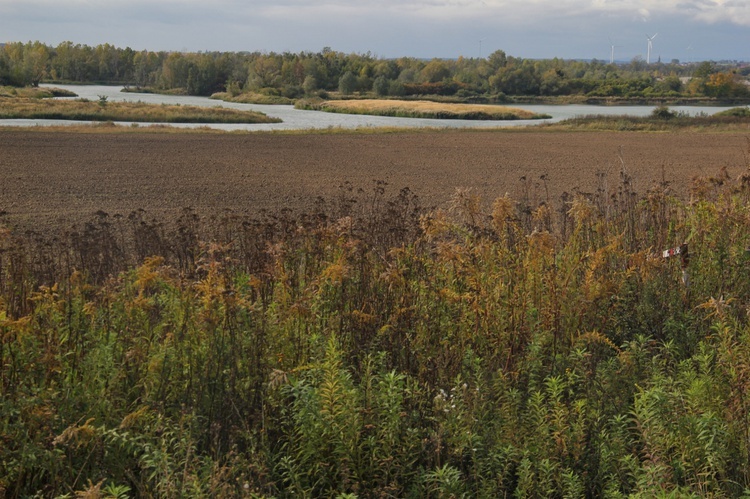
[[424, 28]]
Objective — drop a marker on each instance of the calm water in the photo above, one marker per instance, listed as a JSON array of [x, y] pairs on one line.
[[295, 119]]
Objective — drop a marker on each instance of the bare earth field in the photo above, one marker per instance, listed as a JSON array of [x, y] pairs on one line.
[[54, 179]]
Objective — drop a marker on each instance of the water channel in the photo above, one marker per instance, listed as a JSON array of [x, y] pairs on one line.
[[296, 119]]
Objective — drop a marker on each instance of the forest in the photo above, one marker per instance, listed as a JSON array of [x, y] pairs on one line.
[[296, 75]]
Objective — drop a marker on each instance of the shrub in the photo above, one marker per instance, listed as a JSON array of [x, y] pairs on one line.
[[663, 113], [737, 112]]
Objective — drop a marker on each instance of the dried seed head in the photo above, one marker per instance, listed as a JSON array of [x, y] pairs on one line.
[[502, 211]]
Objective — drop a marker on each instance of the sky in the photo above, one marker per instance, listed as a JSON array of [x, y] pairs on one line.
[[687, 30]]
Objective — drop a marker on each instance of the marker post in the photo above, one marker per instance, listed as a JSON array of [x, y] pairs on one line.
[[682, 251]]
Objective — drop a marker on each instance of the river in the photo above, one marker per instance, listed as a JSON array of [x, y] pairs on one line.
[[296, 119]]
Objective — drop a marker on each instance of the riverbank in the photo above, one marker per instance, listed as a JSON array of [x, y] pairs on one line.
[[480, 99], [625, 101]]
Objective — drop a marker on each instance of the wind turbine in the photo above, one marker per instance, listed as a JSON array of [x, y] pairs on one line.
[[612, 51], [650, 46]]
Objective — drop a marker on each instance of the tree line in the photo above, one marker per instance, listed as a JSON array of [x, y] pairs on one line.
[[295, 75]]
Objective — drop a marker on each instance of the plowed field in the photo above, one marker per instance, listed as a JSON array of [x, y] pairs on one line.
[[57, 178]]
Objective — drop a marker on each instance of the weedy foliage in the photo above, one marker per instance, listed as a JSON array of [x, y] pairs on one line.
[[374, 349]]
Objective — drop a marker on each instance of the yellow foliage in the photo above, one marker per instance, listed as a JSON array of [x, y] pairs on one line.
[[582, 210], [362, 317], [720, 79], [718, 306], [395, 106], [502, 213], [134, 417], [453, 297], [597, 337], [542, 243], [336, 272], [466, 204], [435, 225], [147, 273], [76, 436], [598, 278], [542, 214], [92, 491]]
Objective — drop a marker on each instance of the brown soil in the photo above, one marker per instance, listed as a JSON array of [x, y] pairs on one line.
[[58, 178]]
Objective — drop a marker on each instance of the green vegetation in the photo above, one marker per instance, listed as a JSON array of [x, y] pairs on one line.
[[739, 112], [534, 348], [661, 119], [102, 110], [419, 109], [495, 79], [252, 98]]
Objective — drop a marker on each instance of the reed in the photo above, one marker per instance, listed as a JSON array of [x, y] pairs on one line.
[[102, 110], [253, 98], [420, 109], [33, 93], [663, 120]]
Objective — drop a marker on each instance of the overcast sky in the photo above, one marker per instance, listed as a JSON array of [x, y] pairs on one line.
[[688, 30]]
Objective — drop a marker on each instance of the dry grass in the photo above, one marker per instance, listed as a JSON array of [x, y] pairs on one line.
[[110, 127], [32, 93], [253, 98], [84, 110], [696, 124], [423, 109]]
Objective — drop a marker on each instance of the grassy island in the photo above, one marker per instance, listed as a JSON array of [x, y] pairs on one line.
[[253, 98], [33, 92], [421, 109], [102, 110]]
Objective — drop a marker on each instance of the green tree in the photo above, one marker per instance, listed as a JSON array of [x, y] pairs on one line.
[[380, 86], [704, 70], [671, 83], [498, 59], [396, 89], [553, 82], [265, 72], [36, 62], [4, 73], [310, 85], [143, 68], [348, 83], [435, 71]]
